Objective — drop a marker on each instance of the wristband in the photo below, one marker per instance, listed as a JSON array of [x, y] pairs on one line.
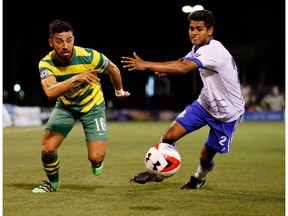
[[119, 92]]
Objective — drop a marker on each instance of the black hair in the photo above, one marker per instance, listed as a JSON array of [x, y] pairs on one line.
[[58, 26], [203, 15]]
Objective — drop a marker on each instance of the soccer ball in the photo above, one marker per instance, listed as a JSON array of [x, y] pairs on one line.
[[163, 160]]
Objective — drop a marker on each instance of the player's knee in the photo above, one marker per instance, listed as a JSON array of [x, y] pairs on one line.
[[96, 158], [167, 139], [48, 151]]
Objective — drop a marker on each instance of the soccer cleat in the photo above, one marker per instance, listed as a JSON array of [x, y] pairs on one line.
[[97, 170], [145, 177], [194, 183], [47, 187]]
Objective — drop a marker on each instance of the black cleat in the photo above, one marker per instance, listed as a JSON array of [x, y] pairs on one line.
[[144, 177], [194, 183]]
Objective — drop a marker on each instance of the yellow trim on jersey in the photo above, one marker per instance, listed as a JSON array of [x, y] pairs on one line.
[[93, 96]]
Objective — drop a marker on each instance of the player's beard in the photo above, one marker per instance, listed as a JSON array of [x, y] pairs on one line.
[[64, 56]]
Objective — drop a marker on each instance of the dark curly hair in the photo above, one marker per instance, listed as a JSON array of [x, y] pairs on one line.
[[203, 15], [58, 26]]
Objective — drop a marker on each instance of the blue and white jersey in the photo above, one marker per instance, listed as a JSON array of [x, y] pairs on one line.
[[221, 93]]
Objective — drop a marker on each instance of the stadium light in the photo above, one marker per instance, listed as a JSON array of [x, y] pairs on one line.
[[17, 87], [189, 9]]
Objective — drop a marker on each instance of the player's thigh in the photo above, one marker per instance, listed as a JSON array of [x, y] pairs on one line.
[[193, 117], [220, 135], [94, 123], [174, 132], [57, 128], [61, 121]]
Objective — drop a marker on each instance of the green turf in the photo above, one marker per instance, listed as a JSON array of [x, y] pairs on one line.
[[248, 181]]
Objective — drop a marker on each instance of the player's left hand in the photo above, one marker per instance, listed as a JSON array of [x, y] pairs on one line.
[[124, 96]]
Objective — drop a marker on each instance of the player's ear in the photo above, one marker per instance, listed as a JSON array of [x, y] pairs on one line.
[[210, 31], [50, 42]]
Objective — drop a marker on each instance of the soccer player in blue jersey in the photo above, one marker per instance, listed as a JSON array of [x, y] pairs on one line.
[[220, 104], [69, 75]]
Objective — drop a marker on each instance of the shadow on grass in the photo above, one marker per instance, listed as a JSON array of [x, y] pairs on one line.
[[151, 186], [78, 187], [145, 208]]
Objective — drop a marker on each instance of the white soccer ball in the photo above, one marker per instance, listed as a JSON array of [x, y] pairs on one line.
[[163, 160]]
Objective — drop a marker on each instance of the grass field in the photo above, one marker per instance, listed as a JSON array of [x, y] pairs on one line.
[[248, 181]]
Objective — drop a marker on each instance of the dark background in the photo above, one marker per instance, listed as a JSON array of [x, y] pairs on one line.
[[156, 30]]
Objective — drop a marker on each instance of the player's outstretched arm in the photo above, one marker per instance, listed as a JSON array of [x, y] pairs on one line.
[[136, 63]]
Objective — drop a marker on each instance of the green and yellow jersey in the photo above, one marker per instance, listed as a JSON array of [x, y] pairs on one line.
[[82, 97]]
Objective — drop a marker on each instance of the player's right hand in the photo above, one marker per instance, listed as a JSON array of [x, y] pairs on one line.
[[135, 63], [88, 76]]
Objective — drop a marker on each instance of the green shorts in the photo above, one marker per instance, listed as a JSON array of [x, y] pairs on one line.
[[63, 119]]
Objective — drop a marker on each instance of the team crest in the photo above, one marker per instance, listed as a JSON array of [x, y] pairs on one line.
[[44, 74]]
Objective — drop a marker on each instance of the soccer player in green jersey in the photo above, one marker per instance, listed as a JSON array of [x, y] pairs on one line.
[[69, 74]]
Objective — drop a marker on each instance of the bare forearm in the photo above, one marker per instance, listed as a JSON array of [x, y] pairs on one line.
[[59, 88], [54, 89], [115, 77], [167, 67]]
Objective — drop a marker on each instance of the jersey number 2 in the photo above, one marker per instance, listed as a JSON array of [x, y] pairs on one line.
[[222, 141]]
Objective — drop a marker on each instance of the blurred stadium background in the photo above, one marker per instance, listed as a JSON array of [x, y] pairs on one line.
[[156, 30]]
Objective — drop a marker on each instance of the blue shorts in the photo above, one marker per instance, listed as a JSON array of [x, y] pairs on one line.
[[220, 135]]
